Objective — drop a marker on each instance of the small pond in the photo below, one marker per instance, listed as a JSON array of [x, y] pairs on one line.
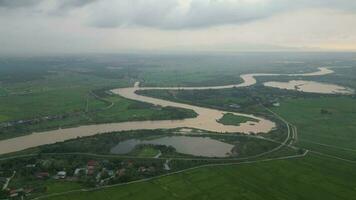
[[197, 146]]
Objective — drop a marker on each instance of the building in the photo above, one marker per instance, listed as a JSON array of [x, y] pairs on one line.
[[42, 175], [234, 106], [276, 104], [78, 170], [92, 163], [61, 174], [120, 172]]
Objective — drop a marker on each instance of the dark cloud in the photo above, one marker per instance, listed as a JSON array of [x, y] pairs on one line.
[[60, 4], [171, 14], [18, 3], [71, 4]]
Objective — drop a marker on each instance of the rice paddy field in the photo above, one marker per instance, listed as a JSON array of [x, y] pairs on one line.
[[311, 177]]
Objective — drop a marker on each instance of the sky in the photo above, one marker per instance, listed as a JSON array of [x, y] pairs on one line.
[[109, 26]]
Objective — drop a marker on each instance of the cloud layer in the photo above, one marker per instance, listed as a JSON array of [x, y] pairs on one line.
[[187, 14], [176, 14], [119, 25]]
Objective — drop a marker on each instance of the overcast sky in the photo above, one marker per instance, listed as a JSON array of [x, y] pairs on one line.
[[105, 26]]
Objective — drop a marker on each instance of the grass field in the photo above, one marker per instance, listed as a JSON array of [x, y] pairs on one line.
[[57, 186], [3, 92], [336, 127], [147, 152], [47, 103], [231, 119], [305, 178]]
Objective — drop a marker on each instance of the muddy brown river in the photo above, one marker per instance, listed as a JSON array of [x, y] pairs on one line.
[[206, 119]]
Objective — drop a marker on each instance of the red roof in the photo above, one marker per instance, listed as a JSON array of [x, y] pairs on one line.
[[42, 174], [92, 163]]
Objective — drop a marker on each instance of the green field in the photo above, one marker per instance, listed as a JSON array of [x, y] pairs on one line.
[[146, 152], [306, 178], [47, 103], [336, 127], [3, 92], [57, 186]]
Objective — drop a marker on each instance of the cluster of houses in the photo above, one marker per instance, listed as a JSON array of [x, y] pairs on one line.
[[100, 175], [88, 170], [93, 168], [30, 121]]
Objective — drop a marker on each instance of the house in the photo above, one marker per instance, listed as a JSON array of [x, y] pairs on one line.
[[166, 166], [90, 170], [142, 169], [42, 175], [234, 106], [276, 104], [130, 163], [78, 170], [92, 163], [120, 172], [28, 190], [15, 192], [30, 165], [61, 174], [110, 172]]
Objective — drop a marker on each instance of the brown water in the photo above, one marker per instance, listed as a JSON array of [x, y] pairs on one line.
[[205, 120], [310, 86]]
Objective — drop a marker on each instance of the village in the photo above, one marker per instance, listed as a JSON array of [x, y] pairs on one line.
[[93, 173]]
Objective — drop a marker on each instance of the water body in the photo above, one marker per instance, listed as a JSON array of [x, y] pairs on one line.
[[197, 146], [206, 119], [310, 86]]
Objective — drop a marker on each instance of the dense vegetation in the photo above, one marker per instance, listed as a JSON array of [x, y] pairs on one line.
[[231, 119]]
